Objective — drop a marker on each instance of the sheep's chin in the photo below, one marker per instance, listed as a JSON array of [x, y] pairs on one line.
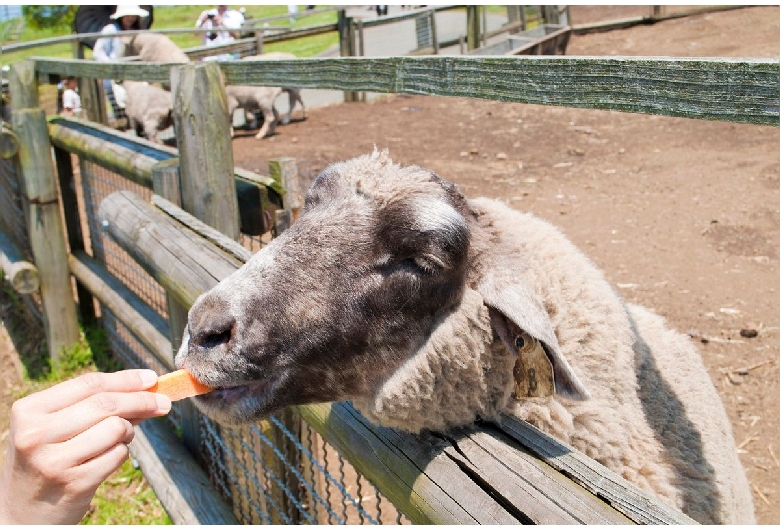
[[238, 404]]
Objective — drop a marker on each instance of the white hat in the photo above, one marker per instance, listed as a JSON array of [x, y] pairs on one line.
[[124, 11]]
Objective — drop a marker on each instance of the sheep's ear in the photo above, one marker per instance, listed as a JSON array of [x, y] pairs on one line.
[[518, 315]]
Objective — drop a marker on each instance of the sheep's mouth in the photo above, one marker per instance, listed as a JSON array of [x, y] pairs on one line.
[[256, 392]]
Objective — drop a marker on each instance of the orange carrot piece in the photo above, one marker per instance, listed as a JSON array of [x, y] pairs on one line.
[[179, 385]]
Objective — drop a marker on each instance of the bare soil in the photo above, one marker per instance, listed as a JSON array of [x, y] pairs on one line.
[[682, 215]]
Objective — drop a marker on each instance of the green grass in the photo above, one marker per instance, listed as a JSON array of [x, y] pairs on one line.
[[168, 17], [125, 497]]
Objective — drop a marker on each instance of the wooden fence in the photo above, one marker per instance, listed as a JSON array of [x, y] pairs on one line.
[[486, 473]]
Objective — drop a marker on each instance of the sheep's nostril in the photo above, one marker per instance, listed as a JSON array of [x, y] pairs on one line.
[[214, 340], [211, 324]]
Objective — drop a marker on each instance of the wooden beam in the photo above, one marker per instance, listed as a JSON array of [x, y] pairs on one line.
[[23, 84], [472, 27], [46, 233], [722, 89], [206, 153], [187, 267]]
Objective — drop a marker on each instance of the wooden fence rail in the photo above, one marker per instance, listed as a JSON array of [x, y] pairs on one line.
[[737, 90]]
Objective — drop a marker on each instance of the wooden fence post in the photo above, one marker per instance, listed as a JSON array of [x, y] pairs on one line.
[[434, 36], [259, 34], [472, 27], [70, 208], [23, 84], [347, 39], [208, 189], [44, 225]]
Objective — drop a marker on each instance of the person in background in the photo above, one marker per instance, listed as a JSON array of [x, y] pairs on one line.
[[64, 441], [109, 48], [71, 101], [221, 16], [292, 10]]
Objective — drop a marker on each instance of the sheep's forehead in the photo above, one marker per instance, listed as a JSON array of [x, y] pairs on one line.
[[384, 183]]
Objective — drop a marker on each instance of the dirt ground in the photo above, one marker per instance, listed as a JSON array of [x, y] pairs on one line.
[[682, 215]]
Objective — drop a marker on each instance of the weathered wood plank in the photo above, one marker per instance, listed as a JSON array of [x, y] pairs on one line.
[[524, 482], [417, 477], [640, 506], [45, 230], [176, 478], [111, 151], [739, 90], [180, 260], [208, 189], [23, 85], [193, 223], [143, 321]]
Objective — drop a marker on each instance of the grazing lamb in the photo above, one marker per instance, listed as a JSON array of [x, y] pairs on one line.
[[252, 98], [294, 94], [153, 48], [429, 310], [149, 109]]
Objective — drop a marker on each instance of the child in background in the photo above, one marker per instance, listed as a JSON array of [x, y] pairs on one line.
[[71, 101]]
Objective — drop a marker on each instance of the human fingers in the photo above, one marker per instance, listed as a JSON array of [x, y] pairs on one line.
[[79, 388], [95, 441], [79, 417]]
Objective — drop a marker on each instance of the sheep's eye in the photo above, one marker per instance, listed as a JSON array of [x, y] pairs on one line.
[[426, 264]]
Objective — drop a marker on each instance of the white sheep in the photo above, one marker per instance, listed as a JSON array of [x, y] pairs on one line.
[[252, 98], [149, 109], [294, 94], [429, 311], [153, 48]]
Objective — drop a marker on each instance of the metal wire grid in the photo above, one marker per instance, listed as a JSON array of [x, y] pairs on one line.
[[11, 212], [97, 184], [304, 482], [12, 222]]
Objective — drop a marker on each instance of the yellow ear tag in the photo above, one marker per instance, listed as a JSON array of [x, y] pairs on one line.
[[533, 371]]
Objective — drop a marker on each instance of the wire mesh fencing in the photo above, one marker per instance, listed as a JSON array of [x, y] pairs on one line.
[[13, 223]]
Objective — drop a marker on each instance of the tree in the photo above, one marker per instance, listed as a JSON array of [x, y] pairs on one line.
[[42, 17]]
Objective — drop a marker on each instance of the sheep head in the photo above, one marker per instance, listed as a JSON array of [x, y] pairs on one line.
[[374, 295]]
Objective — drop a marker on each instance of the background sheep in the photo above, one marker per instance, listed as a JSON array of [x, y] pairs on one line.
[[153, 47], [149, 109], [294, 94], [394, 291], [255, 98]]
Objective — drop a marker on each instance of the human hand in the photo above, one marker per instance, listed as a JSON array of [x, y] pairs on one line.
[[66, 440]]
